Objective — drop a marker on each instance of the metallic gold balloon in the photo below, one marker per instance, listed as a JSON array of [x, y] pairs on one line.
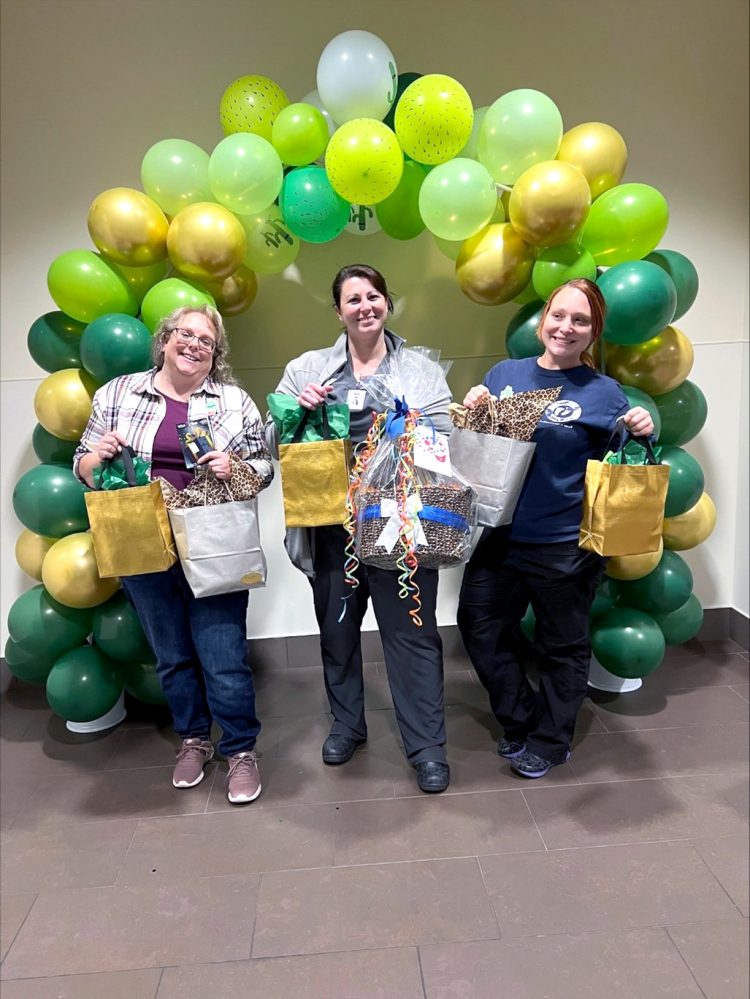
[[690, 528], [599, 152], [206, 242], [633, 566], [128, 227], [30, 551], [495, 265], [549, 203], [236, 293], [655, 366], [70, 575], [62, 402]]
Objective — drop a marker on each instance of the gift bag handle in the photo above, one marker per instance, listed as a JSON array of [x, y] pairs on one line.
[[126, 455], [327, 435], [625, 436]]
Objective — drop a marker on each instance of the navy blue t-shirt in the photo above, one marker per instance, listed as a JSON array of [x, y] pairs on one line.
[[575, 428]]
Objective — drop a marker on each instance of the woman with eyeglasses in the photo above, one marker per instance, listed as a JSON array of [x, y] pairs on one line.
[[199, 643]]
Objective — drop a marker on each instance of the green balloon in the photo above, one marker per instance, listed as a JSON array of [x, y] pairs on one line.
[[528, 623], [398, 214], [627, 642], [637, 397], [683, 274], [527, 295], [54, 341], [52, 450], [299, 135], [83, 685], [686, 480], [118, 632], [142, 279], [604, 599], [40, 626], [682, 624], [142, 682], [114, 345], [520, 336], [683, 413], [86, 286], [641, 299], [48, 500], [625, 223], [664, 589], [174, 173], [31, 667], [311, 209], [403, 81], [171, 294], [557, 264]]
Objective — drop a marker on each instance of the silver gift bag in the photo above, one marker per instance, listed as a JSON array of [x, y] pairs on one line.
[[496, 467], [219, 547]]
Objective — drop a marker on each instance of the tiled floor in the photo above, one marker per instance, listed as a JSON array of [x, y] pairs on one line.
[[624, 874]]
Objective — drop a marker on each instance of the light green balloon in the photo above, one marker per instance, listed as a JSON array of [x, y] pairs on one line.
[[557, 264], [521, 128], [84, 286], [471, 149], [174, 173], [168, 295], [300, 134], [245, 173], [271, 247], [457, 199], [625, 223]]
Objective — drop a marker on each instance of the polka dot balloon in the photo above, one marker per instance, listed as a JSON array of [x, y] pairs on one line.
[[433, 119], [251, 104]]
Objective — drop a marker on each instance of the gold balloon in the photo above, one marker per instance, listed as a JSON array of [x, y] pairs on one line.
[[634, 566], [206, 242], [237, 293], [656, 366], [30, 551], [690, 528], [128, 227], [599, 152], [70, 575], [549, 203], [62, 402], [495, 265]]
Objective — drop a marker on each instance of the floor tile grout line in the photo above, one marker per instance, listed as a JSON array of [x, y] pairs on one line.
[[533, 819], [489, 899], [125, 855], [158, 984], [21, 926], [708, 868], [684, 961], [421, 971]]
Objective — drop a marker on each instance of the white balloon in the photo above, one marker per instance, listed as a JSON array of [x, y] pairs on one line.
[[314, 98], [362, 221], [357, 77]]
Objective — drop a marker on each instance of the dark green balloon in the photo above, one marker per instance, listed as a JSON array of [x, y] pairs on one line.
[[627, 642], [403, 81], [118, 632], [683, 413], [48, 499], [142, 682], [54, 341], [528, 624], [116, 344], [686, 480], [52, 450], [641, 299], [520, 336], [683, 274], [664, 589], [604, 599], [84, 684], [41, 626], [682, 624], [637, 397], [398, 214], [27, 666]]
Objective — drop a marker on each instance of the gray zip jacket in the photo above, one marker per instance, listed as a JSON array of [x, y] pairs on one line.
[[319, 366]]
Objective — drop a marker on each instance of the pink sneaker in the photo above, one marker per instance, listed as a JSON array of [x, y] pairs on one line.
[[244, 778], [192, 757]]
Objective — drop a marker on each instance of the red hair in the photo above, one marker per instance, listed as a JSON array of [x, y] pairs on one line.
[[598, 308]]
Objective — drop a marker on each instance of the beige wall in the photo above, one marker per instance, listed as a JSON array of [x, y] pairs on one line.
[[89, 85]]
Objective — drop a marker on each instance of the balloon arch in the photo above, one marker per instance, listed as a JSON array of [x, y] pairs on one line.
[[519, 204]]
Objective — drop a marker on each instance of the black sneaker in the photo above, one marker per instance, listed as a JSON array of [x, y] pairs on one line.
[[432, 777], [532, 766], [339, 749], [510, 748]]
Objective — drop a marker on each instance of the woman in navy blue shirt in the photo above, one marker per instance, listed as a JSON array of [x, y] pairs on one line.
[[536, 559]]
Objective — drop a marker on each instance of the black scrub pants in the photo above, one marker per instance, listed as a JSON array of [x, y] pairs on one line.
[[413, 655], [559, 581]]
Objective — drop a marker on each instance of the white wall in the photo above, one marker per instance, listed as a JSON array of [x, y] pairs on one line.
[[89, 85]]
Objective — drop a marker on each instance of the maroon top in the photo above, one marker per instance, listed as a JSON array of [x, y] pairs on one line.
[[167, 458]]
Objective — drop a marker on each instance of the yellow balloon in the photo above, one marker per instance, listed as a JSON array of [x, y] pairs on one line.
[[236, 293], [128, 227], [634, 566], [30, 551], [364, 161], [690, 528], [62, 402], [206, 242], [549, 203], [70, 575], [495, 265], [599, 152], [656, 366]]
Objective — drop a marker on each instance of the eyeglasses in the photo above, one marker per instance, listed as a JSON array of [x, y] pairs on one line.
[[204, 343]]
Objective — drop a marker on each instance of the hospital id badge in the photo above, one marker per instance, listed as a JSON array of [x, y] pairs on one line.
[[355, 400]]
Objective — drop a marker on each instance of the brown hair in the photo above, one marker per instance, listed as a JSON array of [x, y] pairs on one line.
[[375, 278], [220, 369], [598, 312]]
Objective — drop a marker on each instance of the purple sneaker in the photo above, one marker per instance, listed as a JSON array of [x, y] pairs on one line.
[[532, 766]]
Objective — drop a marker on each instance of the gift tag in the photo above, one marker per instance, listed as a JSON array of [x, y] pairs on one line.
[[355, 400], [431, 451]]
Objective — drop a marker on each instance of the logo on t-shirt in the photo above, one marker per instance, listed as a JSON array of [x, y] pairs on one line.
[[563, 411]]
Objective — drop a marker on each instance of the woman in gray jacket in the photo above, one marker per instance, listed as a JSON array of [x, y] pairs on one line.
[[413, 656]]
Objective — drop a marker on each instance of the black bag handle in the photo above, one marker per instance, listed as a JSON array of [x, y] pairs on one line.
[[327, 435], [126, 455], [625, 436]]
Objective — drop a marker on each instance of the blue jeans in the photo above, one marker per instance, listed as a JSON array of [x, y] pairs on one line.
[[200, 646]]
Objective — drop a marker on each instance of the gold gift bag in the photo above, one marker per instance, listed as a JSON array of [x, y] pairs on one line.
[[623, 505], [130, 528], [315, 478]]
